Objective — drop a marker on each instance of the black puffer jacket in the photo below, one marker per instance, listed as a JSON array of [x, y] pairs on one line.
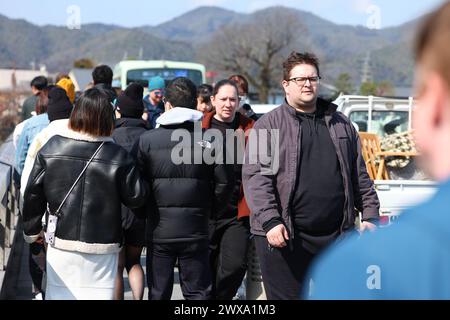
[[183, 195], [91, 216], [126, 134]]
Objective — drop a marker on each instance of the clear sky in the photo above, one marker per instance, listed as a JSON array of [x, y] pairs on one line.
[[134, 13]]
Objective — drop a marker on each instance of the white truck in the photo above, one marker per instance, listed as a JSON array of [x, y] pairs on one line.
[[383, 116]]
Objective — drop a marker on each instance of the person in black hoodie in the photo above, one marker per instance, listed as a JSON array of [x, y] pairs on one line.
[[184, 194], [129, 126]]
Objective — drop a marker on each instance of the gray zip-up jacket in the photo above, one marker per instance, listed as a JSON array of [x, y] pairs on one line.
[[269, 185]]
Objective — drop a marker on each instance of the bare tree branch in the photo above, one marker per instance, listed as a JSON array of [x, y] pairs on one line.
[[256, 49]]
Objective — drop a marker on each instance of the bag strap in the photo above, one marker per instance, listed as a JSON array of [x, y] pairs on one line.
[[76, 181]]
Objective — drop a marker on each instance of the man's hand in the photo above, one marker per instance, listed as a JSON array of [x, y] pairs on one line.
[[277, 236], [367, 226]]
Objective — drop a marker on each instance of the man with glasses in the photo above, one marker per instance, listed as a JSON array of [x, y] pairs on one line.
[[410, 259], [309, 201], [154, 105]]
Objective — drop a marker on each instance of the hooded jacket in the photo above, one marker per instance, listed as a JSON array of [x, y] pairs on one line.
[[91, 220], [184, 193]]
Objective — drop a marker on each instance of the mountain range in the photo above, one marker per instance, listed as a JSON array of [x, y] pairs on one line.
[[341, 48]]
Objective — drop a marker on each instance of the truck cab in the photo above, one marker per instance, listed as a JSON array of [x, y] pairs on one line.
[[379, 115]]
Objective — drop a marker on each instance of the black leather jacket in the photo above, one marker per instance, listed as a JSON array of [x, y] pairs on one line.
[[91, 215]]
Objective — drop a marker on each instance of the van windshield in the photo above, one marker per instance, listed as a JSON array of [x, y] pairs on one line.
[[142, 76]]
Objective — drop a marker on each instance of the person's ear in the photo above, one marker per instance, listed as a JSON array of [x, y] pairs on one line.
[[444, 103], [167, 106], [438, 100]]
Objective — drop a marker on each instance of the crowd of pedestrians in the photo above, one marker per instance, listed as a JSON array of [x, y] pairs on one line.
[[194, 176]]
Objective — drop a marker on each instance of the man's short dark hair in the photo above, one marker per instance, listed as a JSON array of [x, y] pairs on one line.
[[182, 92], [102, 74], [39, 82], [296, 58]]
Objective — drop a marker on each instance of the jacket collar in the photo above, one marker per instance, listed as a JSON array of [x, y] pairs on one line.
[[130, 122], [244, 122], [207, 118], [179, 115], [103, 86], [83, 136], [328, 108], [60, 123]]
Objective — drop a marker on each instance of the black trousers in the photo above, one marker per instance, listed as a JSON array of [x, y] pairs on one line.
[[228, 250], [193, 267], [283, 271]]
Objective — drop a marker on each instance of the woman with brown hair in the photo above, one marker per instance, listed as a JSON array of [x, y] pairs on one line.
[[229, 230], [82, 177]]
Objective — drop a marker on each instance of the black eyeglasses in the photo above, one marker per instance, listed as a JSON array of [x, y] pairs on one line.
[[300, 81]]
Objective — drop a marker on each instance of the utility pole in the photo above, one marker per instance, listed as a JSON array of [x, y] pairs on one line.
[[366, 71]]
